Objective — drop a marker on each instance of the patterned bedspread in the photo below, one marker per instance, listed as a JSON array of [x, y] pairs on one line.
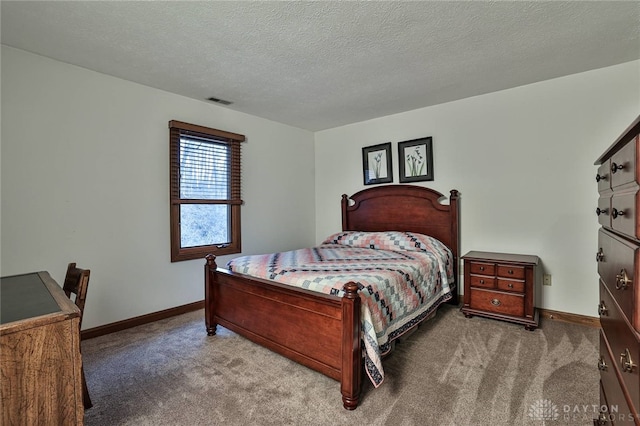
[[403, 277]]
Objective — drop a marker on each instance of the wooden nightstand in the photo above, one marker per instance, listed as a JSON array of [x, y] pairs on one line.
[[501, 286]]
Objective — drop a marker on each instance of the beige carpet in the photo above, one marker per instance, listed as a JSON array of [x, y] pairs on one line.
[[452, 371]]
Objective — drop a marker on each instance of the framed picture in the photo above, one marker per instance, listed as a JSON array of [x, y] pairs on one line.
[[376, 164], [415, 160]]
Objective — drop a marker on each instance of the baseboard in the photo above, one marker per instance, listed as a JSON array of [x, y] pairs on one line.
[[90, 333], [548, 314], [143, 319]]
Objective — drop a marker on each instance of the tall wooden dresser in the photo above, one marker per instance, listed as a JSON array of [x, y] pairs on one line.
[[618, 259]]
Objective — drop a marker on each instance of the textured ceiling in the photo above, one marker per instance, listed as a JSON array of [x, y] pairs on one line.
[[317, 65]]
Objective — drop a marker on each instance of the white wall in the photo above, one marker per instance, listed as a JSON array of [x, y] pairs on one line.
[[84, 178], [522, 160]]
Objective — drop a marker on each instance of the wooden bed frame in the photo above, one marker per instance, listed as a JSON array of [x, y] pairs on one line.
[[317, 330]]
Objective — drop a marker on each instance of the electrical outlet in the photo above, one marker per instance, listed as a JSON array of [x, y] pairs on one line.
[[546, 279]]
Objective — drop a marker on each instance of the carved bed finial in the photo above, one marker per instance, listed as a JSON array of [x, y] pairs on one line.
[[211, 261], [351, 290]]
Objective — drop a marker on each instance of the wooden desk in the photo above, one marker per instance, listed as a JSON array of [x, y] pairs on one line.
[[40, 364]]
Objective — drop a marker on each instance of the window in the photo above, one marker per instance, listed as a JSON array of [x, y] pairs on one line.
[[204, 191]]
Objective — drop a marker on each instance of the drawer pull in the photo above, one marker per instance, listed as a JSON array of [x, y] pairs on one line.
[[615, 167], [482, 268], [600, 255], [615, 213], [600, 177], [602, 309], [602, 366], [481, 281], [510, 285], [622, 280], [600, 211], [510, 272], [626, 362], [495, 302]]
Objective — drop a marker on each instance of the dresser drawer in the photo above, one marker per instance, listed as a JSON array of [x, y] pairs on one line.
[[497, 302], [624, 345], [603, 210], [602, 419], [482, 281], [623, 212], [603, 176], [623, 165], [482, 268], [511, 285], [614, 393], [618, 261]]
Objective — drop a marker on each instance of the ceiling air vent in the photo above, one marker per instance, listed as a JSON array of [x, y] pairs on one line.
[[219, 101]]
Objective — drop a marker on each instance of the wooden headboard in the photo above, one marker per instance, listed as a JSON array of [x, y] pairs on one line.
[[404, 208]]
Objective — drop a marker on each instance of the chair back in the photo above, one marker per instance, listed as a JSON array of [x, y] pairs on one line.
[[76, 282]]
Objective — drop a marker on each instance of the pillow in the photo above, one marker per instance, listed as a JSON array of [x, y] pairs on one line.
[[386, 240]]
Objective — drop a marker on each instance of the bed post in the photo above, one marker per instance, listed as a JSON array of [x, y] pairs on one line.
[[209, 310], [455, 242], [344, 204], [351, 349]]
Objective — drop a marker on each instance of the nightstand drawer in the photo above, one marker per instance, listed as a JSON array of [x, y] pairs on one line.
[[482, 281], [510, 271], [497, 302], [482, 268], [511, 285]]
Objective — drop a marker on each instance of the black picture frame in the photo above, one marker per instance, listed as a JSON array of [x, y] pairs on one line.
[[415, 160], [376, 164]]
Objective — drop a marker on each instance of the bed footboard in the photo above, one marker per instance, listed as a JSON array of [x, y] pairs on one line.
[[319, 331]]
